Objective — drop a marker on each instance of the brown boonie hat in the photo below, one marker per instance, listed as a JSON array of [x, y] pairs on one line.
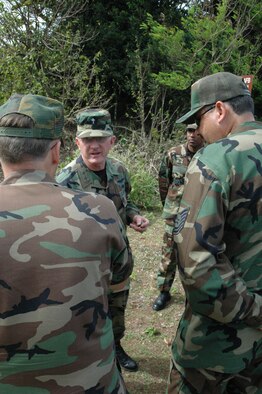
[[46, 113], [221, 86], [94, 122]]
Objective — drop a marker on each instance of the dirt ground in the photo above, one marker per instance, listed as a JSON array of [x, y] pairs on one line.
[[149, 333]]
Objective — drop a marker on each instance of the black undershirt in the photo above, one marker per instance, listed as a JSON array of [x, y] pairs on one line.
[[102, 176]]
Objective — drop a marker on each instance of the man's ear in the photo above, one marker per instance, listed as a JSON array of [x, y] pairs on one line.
[[77, 142], [113, 140], [55, 153], [222, 110]]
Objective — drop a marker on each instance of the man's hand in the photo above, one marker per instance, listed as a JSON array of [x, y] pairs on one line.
[[139, 223]]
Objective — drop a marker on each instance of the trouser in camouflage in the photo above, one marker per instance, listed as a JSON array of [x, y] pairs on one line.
[[117, 307], [204, 381], [167, 268], [117, 300]]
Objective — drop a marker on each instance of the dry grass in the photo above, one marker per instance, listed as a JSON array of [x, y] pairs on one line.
[[148, 333]]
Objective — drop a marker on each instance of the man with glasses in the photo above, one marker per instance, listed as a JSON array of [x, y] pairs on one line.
[[94, 171], [209, 108], [60, 251], [171, 183], [218, 345]]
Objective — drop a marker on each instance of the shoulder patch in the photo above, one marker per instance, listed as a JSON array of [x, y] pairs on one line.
[[180, 221]]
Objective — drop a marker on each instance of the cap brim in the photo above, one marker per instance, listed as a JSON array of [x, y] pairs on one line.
[[189, 116], [93, 133]]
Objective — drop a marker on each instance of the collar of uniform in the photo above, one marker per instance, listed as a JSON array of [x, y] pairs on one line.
[[111, 168], [27, 177], [246, 126]]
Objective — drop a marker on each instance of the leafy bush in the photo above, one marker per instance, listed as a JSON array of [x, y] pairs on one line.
[[143, 177], [142, 157]]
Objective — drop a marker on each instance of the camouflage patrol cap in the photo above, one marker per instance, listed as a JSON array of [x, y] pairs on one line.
[[192, 126], [212, 88], [46, 113], [94, 122]]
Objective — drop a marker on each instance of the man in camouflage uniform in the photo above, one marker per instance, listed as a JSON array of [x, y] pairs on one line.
[[171, 183], [218, 345], [60, 250], [94, 171]]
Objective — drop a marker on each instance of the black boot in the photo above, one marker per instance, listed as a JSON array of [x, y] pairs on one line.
[[124, 360], [161, 300]]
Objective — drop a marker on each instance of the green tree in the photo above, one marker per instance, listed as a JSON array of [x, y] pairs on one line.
[[41, 52], [137, 57], [118, 36], [211, 39]]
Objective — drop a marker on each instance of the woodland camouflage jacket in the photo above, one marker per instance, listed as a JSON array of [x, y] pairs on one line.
[[60, 249], [171, 178], [76, 175], [218, 233]]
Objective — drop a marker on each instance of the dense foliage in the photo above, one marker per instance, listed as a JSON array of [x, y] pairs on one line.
[[136, 57]]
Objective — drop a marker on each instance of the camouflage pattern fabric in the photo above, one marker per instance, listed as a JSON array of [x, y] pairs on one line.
[[195, 381], [94, 122], [76, 175], [171, 184], [218, 233], [117, 306], [60, 250], [46, 113], [167, 267], [171, 178]]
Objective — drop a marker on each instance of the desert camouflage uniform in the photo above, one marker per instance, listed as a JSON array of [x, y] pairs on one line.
[[218, 233], [171, 184], [76, 175], [58, 251]]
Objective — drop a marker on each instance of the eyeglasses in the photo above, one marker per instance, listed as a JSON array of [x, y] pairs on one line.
[[198, 119]]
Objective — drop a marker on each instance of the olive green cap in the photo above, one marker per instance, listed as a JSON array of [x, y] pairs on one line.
[[221, 86], [46, 113], [94, 122]]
